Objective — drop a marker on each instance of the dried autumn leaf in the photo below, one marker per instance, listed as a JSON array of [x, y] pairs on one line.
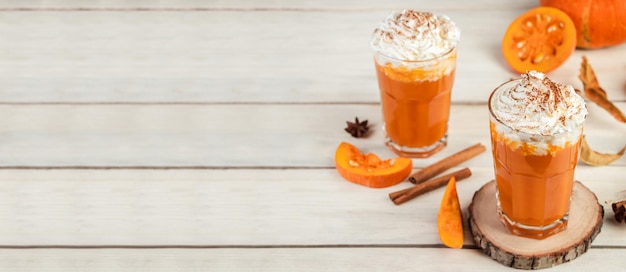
[[592, 157], [595, 93], [589, 79]]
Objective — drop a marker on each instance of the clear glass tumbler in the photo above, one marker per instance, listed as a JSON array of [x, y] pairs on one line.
[[415, 97], [534, 176]]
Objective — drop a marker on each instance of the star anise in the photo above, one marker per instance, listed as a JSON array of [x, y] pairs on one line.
[[357, 129], [619, 208]]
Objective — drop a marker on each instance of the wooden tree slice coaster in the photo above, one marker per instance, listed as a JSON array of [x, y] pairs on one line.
[[585, 222]]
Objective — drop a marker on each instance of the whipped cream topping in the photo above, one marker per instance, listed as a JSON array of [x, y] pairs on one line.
[[412, 35], [538, 105]]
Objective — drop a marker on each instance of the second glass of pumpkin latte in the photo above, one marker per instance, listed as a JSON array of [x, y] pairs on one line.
[[415, 59], [536, 128]]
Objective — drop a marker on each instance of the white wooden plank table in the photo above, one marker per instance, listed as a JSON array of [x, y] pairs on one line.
[[200, 135]]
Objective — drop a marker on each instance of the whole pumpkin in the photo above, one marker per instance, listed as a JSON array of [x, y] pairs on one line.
[[599, 23]]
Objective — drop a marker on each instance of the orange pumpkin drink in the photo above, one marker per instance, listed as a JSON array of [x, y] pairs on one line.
[[536, 128], [415, 58]]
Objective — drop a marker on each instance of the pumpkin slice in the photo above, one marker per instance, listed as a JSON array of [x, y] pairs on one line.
[[368, 169], [541, 39], [450, 219]]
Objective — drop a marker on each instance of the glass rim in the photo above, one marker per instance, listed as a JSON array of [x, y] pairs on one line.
[[444, 54], [500, 122]]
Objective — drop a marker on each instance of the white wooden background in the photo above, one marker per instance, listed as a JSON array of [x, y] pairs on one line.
[[199, 135]]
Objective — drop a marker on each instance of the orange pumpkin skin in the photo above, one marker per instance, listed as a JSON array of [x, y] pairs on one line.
[[599, 23]]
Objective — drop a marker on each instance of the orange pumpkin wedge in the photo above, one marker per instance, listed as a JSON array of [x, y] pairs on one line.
[[541, 39], [368, 169], [449, 219]]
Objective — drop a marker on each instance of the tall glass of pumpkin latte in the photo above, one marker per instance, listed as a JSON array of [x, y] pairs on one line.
[[536, 128], [415, 60]]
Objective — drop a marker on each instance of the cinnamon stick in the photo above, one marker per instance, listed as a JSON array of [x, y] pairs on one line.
[[447, 163], [405, 195], [460, 174]]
